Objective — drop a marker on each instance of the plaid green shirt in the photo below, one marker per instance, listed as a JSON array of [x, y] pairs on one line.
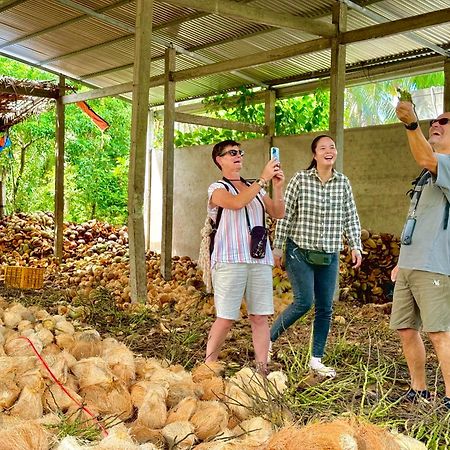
[[318, 215]]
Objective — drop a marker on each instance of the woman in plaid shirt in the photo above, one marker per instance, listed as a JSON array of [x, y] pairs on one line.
[[320, 209]]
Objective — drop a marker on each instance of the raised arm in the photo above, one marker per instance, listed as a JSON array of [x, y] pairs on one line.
[[418, 144]]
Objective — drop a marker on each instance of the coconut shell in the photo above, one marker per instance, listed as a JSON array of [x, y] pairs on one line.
[[210, 418], [180, 434], [24, 436], [183, 411]]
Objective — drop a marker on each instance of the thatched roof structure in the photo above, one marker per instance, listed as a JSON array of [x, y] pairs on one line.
[[20, 99]]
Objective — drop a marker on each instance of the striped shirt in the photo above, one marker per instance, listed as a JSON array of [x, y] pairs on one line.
[[317, 215], [232, 241]]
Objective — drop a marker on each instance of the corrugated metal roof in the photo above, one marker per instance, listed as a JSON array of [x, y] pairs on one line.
[[69, 37]]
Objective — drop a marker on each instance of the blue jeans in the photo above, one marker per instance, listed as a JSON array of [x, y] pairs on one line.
[[308, 282]]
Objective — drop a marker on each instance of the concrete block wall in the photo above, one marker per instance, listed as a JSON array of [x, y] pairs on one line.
[[376, 160]]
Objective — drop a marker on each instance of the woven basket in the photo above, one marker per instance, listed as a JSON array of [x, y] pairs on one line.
[[24, 277]]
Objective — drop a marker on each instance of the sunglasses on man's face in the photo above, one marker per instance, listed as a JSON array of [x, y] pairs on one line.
[[441, 121], [233, 152]]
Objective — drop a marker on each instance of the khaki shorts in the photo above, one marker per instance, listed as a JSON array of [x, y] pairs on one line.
[[421, 301]]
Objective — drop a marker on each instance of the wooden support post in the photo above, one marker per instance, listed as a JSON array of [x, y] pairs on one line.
[[141, 77], [59, 172], [446, 85], [337, 83], [148, 180], [168, 163], [269, 115]]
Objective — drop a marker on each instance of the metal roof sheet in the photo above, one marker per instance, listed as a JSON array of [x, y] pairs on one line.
[[93, 40]]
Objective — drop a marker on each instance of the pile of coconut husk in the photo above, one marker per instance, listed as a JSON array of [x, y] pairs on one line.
[[66, 388]]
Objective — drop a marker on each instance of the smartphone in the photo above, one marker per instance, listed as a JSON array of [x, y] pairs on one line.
[[275, 153]]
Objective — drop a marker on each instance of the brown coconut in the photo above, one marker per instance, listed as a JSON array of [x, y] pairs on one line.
[[206, 371], [88, 344], [33, 379], [63, 326], [179, 434], [15, 365], [183, 411], [46, 336], [145, 367], [65, 341], [153, 410], [24, 436], [21, 347], [50, 350], [210, 418]]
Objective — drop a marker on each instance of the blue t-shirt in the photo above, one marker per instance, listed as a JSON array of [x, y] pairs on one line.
[[430, 246]]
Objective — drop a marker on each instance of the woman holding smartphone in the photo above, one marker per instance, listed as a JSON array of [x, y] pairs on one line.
[[319, 210], [235, 272]]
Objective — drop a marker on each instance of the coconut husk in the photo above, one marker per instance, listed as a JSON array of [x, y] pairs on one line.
[[45, 335], [239, 402], [15, 365], [58, 366], [210, 418], [338, 435], [84, 420], [41, 314], [213, 388], [118, 439], [24, 325], [206, 371], [7, 421], [9, 391], [257, 431], [114, 400], [180, 434], [233, 421], [50, 350], [11, 319], [143, 434], [120, 360], [65, 341], [182, 388], [28, 405], [278, 381], [92, 371], [153, 410], [183, 411], [138, 391], [408, 443], [24, 436], [70, 443], [33, 379], [55, 399], [372, 437], [145, 367], [88, 344], [21, 347], [63, 326]]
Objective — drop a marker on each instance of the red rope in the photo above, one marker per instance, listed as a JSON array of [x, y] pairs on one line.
[[102, 427]]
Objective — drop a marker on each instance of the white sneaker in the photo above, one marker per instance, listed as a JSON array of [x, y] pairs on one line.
[[321, 369]]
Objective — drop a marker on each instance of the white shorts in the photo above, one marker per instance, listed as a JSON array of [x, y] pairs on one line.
[[232, 282]]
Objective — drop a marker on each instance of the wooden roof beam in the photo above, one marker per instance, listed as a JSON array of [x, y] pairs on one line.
[[259, 15]]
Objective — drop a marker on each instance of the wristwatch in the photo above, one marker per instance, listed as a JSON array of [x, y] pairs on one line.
[[412, 126], [261, 182]]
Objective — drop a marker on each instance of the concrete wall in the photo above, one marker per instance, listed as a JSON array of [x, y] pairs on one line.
[[377, 161]]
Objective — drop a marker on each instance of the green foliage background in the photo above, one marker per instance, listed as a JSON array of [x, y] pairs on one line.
[[96, 163]]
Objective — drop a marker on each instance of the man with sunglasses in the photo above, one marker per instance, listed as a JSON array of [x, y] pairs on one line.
[[422, 289]]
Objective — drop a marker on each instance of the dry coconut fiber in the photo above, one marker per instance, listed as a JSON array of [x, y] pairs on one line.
[[24, 436], [179, 434]]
